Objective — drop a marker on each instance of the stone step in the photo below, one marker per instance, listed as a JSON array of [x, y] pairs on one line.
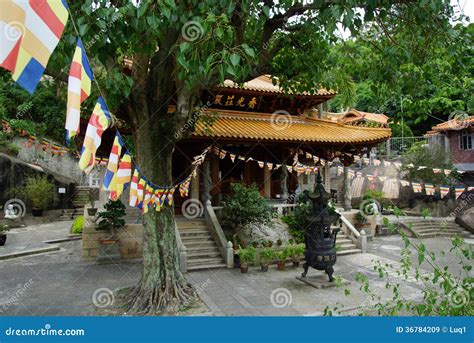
[[194, 232], [210, 249], [206, 266], [343, 240], [198, 255], [197, 239], [349, 252], [205, 261], [347, 246]]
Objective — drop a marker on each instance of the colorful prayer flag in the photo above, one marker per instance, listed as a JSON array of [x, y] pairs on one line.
[[269, 166], [459, 190], [232, 157], [30, 32], [78, 89], [147, 198], [98, 123], [134, 189], [184, 187], [429, 189], [122, 177], [416, 187], [261, 164], [447, 172], [444, 190], [141, 192], [112, 166], [404, 183]]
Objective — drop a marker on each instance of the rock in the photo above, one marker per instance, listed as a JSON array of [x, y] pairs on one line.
[[256, 232], [466, 219]]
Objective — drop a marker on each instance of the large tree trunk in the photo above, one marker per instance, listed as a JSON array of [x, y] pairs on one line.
[[162, 288]]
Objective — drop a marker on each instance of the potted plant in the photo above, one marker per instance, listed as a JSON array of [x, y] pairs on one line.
[[295, 251], [281, 256], [266, 257], [3, 234], [40, 191], [91, 211], [246, 255], [110, 220]]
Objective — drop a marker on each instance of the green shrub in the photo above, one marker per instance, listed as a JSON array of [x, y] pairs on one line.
[[244, 206], [40, 191], [266, 255], [294, 227], [111, 219], [282, 255], [4, 228], [246, 255], [77, 225]]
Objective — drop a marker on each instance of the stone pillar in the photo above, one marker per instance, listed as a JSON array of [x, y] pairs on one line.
[[267, 182], [347, 190], [284, 181], [195, 185], [207, 182], [326, 177]]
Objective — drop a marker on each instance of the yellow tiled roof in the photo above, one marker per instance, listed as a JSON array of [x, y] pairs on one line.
[[264, 83], [238, 125]]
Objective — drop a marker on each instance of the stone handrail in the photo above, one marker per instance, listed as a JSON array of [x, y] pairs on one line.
[[183, 255], [225, 247], [359, 238], [284, 208]]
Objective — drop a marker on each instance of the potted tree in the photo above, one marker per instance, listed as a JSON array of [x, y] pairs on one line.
[[110, 220], [266, 257], [40, 191], [281, 256], [92, 211], [3, 234], [247, 256]]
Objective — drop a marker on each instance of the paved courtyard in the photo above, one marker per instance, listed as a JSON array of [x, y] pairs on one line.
[[60, 283]]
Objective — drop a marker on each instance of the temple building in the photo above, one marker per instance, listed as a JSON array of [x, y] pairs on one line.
[[261, 123]]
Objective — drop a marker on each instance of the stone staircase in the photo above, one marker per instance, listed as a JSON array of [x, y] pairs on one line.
[[71, 213], [201, 248], [428, 228], [345, 246]]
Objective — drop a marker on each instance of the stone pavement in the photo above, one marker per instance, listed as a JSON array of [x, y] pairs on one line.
[[31, 238], [61, 283]]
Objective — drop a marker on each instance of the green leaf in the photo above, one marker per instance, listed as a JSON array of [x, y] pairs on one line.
[[421, 257], [234, 59]]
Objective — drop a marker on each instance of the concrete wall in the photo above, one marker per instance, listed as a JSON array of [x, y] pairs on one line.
[[131, 240], [66, 164]]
